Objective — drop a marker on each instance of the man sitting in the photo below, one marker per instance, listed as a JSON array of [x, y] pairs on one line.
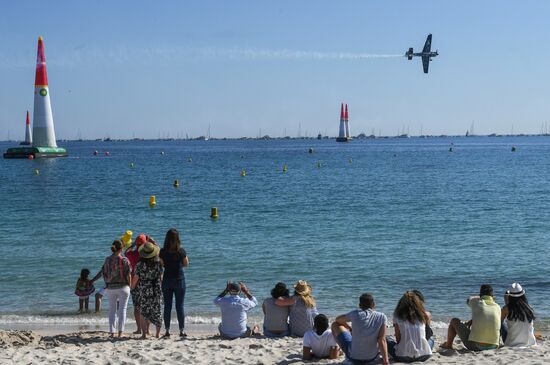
[[234, 310], [369, 333], [482, 331]]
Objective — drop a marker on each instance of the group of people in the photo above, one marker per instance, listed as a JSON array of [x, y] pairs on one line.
[[153, 276], [150, 275], [360, 335]]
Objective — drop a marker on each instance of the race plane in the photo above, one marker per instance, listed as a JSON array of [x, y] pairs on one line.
[[426, 54]]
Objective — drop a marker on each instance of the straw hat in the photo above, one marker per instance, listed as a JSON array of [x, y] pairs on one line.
[[302, 287], [149, 250], [515, 290]]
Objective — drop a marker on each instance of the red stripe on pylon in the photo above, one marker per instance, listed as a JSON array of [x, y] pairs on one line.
[[41, 77]]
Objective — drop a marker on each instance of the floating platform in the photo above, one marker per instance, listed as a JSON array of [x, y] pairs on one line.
[[36, 152], [343, 139]]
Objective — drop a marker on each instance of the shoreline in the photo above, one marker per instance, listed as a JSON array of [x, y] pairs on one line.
[[204, 346]]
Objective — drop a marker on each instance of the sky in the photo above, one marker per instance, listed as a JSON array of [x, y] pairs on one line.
[[149, 69]]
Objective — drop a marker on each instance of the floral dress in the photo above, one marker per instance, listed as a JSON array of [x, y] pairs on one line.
[[150, 291]]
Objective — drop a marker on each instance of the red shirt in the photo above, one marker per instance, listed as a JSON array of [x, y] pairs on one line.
[[133, 257]]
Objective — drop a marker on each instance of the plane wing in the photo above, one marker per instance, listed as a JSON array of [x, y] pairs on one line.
[[425, 63], [428, 44]]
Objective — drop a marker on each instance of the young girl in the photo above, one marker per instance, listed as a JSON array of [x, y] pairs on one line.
[[84, 288]]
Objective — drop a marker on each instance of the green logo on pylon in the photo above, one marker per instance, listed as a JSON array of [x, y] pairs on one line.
[[43, 92]]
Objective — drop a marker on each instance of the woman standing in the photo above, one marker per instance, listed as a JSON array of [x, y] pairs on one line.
[[116, 274], [302, 308], [518, 318], [409, 321], [174, 259], [147, 281]]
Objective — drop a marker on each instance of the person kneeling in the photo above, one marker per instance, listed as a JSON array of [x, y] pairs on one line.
[[319, 341], [234, 310]]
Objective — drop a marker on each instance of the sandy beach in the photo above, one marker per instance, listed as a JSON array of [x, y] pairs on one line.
[[203, 346]]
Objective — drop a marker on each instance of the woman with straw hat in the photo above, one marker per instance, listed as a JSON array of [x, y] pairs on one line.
[[147, 280], [302, 308]]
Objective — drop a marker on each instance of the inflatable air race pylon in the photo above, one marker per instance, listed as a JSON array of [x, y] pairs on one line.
[[28, 134], [43, 144]]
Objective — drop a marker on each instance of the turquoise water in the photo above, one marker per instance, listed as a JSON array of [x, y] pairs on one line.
[[405, 213]]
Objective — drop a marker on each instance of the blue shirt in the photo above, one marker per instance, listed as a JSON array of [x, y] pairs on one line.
[[234, 310]]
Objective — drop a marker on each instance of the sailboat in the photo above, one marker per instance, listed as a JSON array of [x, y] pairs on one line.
[[208, 134]]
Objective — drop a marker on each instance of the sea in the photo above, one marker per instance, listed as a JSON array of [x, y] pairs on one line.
[[442, 215]]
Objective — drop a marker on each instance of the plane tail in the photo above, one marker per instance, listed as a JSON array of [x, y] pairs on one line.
[[409, 54]]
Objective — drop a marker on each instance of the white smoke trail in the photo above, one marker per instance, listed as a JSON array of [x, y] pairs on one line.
[[79, 56]]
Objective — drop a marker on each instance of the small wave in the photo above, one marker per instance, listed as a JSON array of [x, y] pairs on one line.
[[84, 320]]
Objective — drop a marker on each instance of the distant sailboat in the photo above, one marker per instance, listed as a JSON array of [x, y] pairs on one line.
[[208, 134]]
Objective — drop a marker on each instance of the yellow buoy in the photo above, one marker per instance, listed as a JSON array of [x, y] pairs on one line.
[[243, 173], [127, 239], [152, 201], [37, 172], [284, 167], [176, 183], [214, 213]]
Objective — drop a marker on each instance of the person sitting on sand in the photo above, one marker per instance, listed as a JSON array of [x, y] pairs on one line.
[[517, 318], [319, 341], [429, 330], [147, 280], [276, 317], [302, 308], [132, 254], [409, 321], [234, 310], [482, 331], [369, 333]]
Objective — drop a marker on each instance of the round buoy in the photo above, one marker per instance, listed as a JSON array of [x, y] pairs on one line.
[[152, 201], [176, 183], [513, 149], [214, 213], [31, 157], [243, 172], [310, 150], [37, 172], [96, 153], [107, 153], [284, 167]]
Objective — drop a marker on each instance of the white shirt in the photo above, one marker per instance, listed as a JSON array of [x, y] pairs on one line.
[[413, 341], [319, 345], [520, 334]]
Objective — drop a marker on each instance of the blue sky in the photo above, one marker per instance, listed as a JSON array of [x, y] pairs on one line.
[[167, 68]]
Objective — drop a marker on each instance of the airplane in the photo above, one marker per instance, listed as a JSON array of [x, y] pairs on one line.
[[426, 54]]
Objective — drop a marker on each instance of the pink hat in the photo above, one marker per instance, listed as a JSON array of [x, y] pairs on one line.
[[141, 239]]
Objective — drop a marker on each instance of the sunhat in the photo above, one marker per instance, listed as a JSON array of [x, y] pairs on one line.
[[141, 239], [515, 290], [149, 250], [302, 287]]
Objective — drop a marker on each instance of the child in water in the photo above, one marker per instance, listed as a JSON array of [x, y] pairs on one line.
[[84, 288]]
